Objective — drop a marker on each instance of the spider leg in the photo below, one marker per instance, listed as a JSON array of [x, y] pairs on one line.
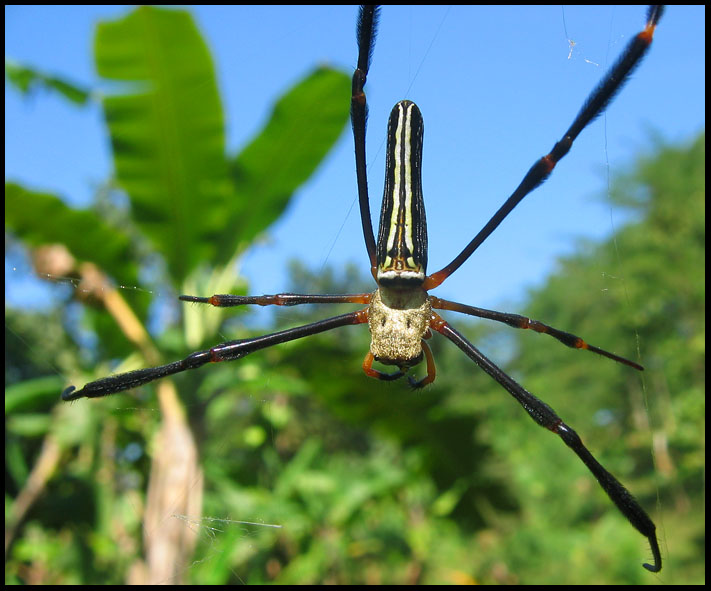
[[416, 384], [281, 299], [228, 351], [431, 369], [365, 33], [379, 375], [545, 416], [595, 104], [523, 322]]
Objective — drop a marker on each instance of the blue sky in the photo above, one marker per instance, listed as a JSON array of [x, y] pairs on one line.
[[496, 86]]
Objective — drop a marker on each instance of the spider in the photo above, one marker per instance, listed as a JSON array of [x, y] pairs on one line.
[[401, 314]]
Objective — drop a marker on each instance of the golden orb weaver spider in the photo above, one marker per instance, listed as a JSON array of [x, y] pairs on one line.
[[400, 313]]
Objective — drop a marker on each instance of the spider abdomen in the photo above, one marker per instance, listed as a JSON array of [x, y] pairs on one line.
[[402, 239]]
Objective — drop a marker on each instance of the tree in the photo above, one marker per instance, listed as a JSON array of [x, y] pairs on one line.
[[190, 202]]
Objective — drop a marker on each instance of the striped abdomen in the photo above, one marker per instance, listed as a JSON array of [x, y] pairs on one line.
[[402, 239]]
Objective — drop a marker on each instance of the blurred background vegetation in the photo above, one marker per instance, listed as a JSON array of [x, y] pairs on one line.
[[291, 466]]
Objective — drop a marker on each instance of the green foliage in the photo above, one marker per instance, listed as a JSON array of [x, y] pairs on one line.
[[167, 131], [312, 472], [42, 218], [641, 294], [29, 80]]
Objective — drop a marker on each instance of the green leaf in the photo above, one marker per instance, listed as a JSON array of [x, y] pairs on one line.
[[28, 80], [42, 218], [285, 154], [167, 131], [28, 394]]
